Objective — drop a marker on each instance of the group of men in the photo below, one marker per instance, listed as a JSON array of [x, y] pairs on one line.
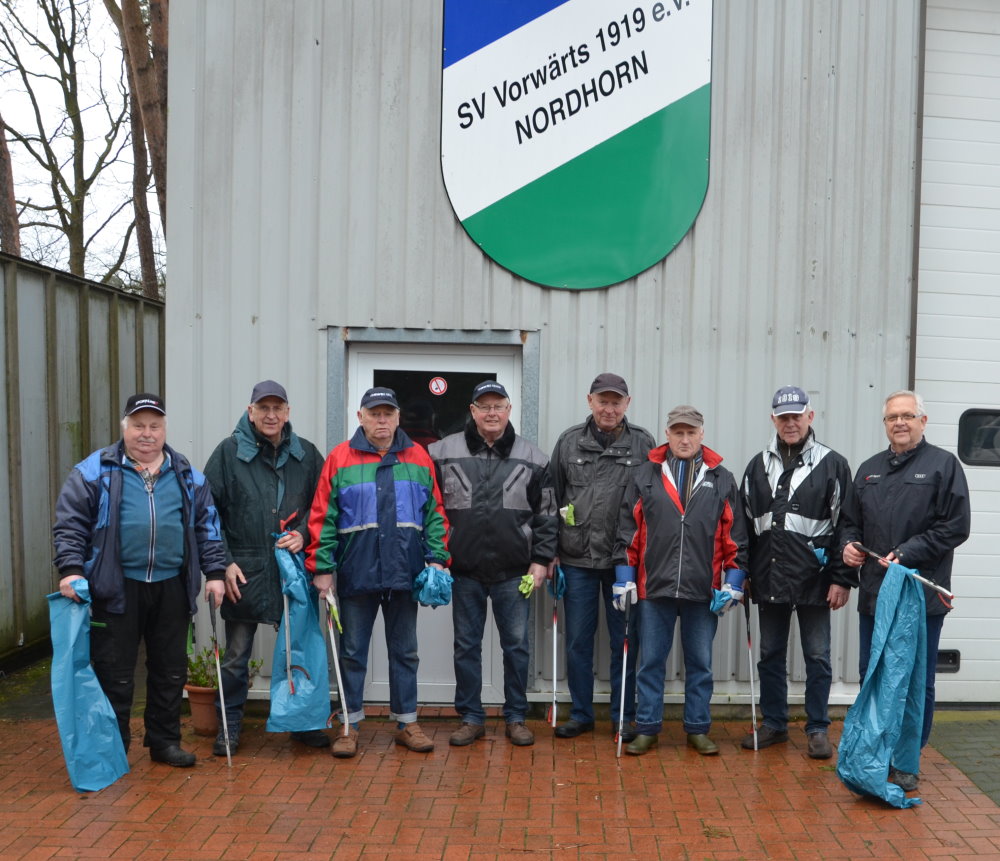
[[662, 534]]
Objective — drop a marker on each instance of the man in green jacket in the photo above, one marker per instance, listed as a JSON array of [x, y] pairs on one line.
[[261, 475]]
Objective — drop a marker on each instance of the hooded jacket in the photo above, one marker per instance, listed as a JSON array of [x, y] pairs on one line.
[[500, 503], [681, 551], [85, 534], [376, 521], [915, 503], [256, 487], [789, 514]]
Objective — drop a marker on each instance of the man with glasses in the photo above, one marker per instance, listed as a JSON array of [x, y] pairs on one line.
[[792, 495], [499, 499], [909, 503]]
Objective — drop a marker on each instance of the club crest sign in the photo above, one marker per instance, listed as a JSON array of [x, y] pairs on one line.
[[575, 133]]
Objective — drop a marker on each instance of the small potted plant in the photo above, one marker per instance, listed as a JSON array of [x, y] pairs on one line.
[[202, 683]]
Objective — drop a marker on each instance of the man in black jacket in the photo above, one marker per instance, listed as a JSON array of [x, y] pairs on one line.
[[910, 503], [792, 494], [263, 473]]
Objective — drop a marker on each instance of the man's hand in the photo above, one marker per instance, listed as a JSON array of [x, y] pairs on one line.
[[538, 574], [853, 557], [216, 589], [836, 596], [291, 541], [234, 576], [66, 590], [323, 584], [889, 557]]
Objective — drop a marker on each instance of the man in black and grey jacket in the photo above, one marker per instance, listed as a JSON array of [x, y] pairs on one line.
[[792, 495]]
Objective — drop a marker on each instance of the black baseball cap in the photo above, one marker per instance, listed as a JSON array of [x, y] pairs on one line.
[[608, 382], [145, 401], [379, 396]]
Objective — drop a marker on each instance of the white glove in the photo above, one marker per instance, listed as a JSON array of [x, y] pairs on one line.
[[624, 593], [736, 595]]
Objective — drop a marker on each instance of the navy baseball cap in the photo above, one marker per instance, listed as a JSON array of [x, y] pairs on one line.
[[489, 387], [379, 396], [789, 399], [268, 389]]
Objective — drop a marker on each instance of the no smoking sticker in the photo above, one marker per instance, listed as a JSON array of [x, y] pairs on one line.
[[437, 385]]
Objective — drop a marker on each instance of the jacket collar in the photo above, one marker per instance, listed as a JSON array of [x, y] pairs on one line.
[[805, 453], [476, 443], [250, 441], [710, 458], [400, 440]]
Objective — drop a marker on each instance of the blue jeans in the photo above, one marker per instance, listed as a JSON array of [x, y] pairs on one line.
[[698, 625], [814, 635], [934, 625], [584, 589], [236, 672], [510, 612], [357, 616]]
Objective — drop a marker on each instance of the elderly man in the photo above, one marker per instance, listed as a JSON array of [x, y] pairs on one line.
[[376, 522], [792, 495], [499, 499], [139, 523], [262, 475], [681, 537], [591, 466], [910, 503]]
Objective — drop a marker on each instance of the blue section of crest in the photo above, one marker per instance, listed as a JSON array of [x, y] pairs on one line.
[[472, 24]]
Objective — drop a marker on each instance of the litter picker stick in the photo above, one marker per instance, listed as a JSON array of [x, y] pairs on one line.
[[331, 611], [555, 643], [949, 595], [753, 698], [288, 648], [621, 704], [218, 673]]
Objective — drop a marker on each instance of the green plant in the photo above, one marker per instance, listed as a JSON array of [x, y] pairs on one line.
[[201, 668]]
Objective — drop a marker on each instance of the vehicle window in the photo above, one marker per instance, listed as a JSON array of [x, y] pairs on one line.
[[979, 437]]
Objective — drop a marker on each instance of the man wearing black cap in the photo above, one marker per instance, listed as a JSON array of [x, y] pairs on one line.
[[262, 475], [591, 466], [139, 523], [376, 522], [499, 498], [792, 495]]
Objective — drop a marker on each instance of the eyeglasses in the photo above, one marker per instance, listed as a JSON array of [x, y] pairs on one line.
[[492, 408], [901, 417]]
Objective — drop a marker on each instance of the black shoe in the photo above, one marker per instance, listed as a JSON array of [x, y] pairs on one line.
[[628, 731], [174, 756], [312, 738], [903, 779], [573, 728], [819, 745], [765, 738], [219, 746]]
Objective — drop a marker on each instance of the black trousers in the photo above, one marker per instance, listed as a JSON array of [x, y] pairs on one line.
[[157, 613]]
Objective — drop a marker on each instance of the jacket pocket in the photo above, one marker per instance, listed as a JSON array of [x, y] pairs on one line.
[[515, 489], [457, 489]]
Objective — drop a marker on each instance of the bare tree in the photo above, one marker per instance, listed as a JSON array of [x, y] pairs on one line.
[[10, 230], [67, 149]]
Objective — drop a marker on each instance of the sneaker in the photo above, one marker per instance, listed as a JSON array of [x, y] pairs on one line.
[[765, 738], [573, 728], [703, 744], [172, 755], [519, 734], [345, 746], [312, 738], [641, 744], [904, 780], [819, 745], [467, 733], [219, 746], [412, 737]]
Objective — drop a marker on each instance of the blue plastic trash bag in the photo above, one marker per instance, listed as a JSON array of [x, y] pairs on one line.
[[883, 726], [91, 741], [432, 588], [303, 702], [557, 585]]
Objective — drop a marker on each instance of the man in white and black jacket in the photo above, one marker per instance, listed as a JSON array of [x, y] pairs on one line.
[[792, 494], [910, 503]]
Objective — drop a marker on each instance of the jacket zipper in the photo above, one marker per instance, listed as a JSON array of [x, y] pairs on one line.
[[152, 533], [680, 555]]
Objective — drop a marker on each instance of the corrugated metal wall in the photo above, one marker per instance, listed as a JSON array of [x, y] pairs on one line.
[[73, 350], [306, 193]]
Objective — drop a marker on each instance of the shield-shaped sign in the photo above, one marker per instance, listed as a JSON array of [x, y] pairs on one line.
[[575, 133]]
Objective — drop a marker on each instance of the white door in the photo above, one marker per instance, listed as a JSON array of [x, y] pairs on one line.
[[433, 384]]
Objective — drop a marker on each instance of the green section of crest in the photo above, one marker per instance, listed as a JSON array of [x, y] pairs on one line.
[[611, 212]]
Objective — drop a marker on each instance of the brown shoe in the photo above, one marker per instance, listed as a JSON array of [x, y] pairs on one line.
[[412, 736], [519, 734], [466, 734], [819, 745], [345, 746]]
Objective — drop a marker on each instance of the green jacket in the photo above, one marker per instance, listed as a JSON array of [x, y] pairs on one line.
[[256, 486]]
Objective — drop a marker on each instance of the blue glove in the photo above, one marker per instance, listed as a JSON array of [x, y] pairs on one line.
[[731, 592], [820, 553], [557, 585], [624, 590]]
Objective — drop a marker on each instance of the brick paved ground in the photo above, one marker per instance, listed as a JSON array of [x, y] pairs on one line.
[[558, 799]]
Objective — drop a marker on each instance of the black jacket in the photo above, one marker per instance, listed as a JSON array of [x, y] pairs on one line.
[[500, 504], [789, 514], [916, 503], [256, 486]]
